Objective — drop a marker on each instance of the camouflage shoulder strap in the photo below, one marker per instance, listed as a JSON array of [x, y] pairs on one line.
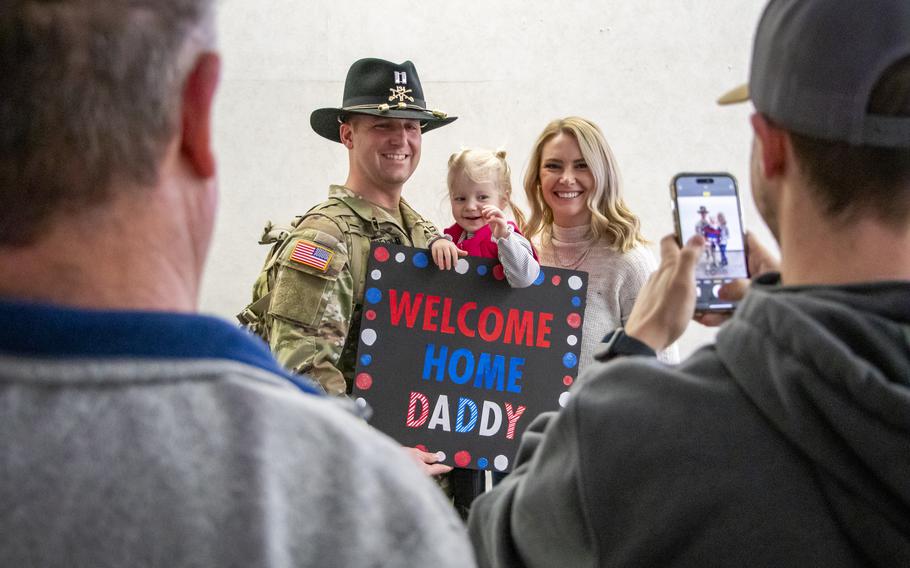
[[364, 231], [253, 316]]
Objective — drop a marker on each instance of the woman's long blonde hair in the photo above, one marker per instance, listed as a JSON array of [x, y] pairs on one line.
[[610, 215], [481, 165]]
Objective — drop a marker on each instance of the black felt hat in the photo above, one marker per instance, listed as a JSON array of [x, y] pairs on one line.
[[379, 88]]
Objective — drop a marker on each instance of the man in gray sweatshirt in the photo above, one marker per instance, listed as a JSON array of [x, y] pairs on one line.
[[786, 443], [134, 432]]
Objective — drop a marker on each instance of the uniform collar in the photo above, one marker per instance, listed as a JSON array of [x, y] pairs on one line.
[[367, 211], [360, 206]]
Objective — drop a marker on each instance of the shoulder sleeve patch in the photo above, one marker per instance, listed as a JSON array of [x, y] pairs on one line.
[[312, 254], [316, 247]]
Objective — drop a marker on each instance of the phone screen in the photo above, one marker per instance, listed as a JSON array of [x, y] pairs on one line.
[[708, 204]]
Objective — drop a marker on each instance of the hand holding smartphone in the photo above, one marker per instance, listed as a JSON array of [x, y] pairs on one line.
[[709, 205]]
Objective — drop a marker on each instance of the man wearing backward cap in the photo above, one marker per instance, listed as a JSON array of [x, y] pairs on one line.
[[784, 443]]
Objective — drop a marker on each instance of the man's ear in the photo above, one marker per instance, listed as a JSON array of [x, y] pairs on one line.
[[774, 144], [346, 133], [196, 122]]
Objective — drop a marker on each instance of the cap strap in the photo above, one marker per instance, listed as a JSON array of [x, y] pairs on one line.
[[399, 106]]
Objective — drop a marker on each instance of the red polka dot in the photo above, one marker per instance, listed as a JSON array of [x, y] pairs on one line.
[[567, 380], [371, 315], [363, 381], [381, 254], [574, 320], [421, 447], [462, 459], [498, 272], [556, 280]]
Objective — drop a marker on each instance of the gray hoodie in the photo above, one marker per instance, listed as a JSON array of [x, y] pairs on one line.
[[786, 443]]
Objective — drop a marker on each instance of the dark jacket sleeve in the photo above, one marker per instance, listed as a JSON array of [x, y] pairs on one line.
[[534, 517]]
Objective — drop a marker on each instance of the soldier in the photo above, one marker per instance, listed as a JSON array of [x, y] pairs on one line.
[[705, 228], [307, 301]]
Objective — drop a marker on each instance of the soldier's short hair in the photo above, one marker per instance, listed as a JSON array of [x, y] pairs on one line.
[[89, 98]]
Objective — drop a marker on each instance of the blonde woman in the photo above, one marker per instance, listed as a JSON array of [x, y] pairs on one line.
[[581, 222]]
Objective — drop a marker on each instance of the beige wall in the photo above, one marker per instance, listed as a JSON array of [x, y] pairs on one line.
[[646, 71]]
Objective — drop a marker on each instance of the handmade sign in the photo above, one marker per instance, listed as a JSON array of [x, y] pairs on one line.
[[459, 363]]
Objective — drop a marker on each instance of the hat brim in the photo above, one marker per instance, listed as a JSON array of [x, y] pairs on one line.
[[325, 121], [738, 95]]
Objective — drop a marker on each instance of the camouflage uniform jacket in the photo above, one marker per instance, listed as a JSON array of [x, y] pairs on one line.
[[312, 319]]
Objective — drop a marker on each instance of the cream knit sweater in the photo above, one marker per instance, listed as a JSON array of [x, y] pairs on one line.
[[614, 279]]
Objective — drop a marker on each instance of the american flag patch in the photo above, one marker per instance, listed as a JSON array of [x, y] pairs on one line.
[[312, 254]]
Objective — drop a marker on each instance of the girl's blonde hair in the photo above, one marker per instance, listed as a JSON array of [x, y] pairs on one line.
[[481, 165], [609, 214]]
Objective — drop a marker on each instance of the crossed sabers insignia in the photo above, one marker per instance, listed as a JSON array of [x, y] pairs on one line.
[[400, 93]]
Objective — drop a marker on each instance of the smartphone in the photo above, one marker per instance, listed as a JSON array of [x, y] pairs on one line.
[[709, 205]]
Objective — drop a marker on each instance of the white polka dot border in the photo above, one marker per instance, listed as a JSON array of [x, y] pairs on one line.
[[368, 336], [441, 456], [462, 266], [575, 282], [501, 462], [572, 340], [376, 274], [399, 258], [564, 399], [361, 402]]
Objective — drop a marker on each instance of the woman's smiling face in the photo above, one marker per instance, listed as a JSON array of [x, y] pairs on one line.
[[565, 179]]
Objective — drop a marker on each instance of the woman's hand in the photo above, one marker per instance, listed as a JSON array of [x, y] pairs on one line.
[[445, 253]]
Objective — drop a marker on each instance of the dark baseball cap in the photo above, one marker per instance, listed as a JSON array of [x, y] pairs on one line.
[[815, 64]]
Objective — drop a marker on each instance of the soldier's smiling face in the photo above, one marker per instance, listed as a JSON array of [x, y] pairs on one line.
[[384, 151]]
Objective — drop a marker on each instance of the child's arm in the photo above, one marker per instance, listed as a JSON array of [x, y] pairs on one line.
[[518, 263], [495, 218], [515, 252], [445, 253]]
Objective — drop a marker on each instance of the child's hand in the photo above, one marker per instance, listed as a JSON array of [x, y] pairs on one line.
[[445, 253], [496, 220]]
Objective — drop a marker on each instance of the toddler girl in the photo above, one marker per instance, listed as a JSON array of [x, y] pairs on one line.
[[480, 188]]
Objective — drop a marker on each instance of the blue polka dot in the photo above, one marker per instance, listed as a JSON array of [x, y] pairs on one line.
[[420, 260], [365, 360], [482, 270], [374, 295], [576, 301], [540, 278], [482, 463], [569, 360]]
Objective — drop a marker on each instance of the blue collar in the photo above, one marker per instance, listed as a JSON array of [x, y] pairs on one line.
[[44, 330]]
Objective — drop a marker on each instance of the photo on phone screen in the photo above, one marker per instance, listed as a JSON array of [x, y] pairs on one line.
[[708, 205]]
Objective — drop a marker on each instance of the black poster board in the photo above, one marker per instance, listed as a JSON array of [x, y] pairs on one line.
[[459, 363]]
